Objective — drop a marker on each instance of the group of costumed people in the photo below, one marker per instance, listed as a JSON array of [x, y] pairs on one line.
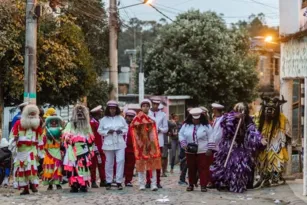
[[225, 153]]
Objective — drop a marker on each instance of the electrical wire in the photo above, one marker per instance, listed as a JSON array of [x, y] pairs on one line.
[[161, 12]]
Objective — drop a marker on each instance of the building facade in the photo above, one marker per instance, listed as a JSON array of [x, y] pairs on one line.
[[293, 72]]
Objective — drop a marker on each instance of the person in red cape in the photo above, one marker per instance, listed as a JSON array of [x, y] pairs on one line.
[[129, 152], [146, 145]]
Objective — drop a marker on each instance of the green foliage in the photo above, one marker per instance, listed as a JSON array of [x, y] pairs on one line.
[[198, 55], [98, 94], [66, 70]]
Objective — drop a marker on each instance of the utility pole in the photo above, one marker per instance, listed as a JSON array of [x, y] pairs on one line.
[[30, 53], [141, 75], [113, 53]]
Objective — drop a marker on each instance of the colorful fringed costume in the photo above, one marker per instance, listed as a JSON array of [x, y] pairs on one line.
[[52, 165], [145, 143], [239, 169], [78, 141], [274, 127], [27, 134]]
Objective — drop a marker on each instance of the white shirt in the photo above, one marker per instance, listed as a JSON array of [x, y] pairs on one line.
[[202, 136], [113, 141], [162, 124], [217, 131]]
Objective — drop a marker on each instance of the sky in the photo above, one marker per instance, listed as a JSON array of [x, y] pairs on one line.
[[233, 10]]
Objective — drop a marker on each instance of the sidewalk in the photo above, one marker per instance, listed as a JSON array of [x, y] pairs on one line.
[[297, 188]]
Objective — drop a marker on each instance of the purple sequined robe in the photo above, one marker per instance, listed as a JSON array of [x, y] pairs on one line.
[[239, 170]]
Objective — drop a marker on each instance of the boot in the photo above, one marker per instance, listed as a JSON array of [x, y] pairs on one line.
[[50, 187], [33, 188], [25, 191], [141, 177], [154, 181]]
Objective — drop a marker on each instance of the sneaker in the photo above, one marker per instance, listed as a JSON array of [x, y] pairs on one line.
[[154, 188], [182, 183], [119, 186], [103, 183], [129, 185], [94, 185], [142, 188], [159, 186], [58, 187], [147, 186], [108, 186], [83, 189]]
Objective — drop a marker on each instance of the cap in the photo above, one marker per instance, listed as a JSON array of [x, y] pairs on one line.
[[96, 109], [130, 113], [204, 109], [217, 106], [23, 104], [156, 100], [146, 101], [196, 112], [190, 108], [112, 103], [160, 107]]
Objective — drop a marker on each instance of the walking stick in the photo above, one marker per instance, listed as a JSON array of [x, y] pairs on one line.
[[233, 141]]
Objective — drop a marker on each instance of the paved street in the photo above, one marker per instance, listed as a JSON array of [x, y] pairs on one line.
[[172, 193]]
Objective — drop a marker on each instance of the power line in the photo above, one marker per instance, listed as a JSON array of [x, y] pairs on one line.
[[161, 12]]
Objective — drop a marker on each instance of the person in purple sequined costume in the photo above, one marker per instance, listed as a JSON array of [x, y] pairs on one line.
[[238, 173]]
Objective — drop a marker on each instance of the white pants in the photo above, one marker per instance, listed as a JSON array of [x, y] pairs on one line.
[[142, 178], [120, 163]]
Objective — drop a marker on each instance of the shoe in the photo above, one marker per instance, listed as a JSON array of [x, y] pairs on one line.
[[25, 192], [203, 189], [159, 186], [147, 186], [58, 187], [74, 188], [154, 188], [182, 183], [33, 188], [142, 188], [129, 185], [108, 186], [103, 183], [163, 175], [50, 187], [94, 185], [190, 188], [210, 186], [83, 189], [119, 186]]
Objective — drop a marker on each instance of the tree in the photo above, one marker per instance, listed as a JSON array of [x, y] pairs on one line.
[[65, 71], [198, 55]]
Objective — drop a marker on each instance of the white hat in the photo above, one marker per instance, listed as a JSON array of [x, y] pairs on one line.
[[147, 101], [23, 104], [133, 107], [4, 143], [160, 107], [217, 106], [156, 100], [130, 113], [96, 109], [112, 103], [196, 112], [204, 109]]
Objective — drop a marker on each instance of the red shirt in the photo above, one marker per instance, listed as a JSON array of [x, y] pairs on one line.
[[98, 138]]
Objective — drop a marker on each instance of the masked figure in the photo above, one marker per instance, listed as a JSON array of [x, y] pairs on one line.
[[275, 128], [78, 142]]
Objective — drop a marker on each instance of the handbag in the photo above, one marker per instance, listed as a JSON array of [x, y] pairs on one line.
[[192, 148]]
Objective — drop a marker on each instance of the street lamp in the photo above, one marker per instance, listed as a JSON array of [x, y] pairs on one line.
[[268, 39], [148, 2]]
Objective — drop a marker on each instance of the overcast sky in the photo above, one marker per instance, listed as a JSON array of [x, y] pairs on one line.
[[233, 10]]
